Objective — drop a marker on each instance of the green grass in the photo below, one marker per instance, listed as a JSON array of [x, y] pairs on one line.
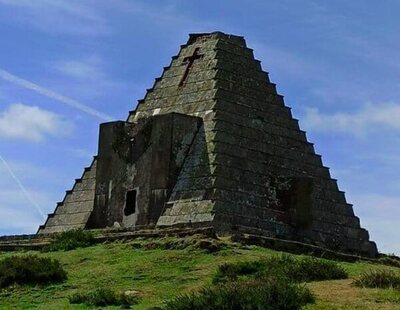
[[160, 274]]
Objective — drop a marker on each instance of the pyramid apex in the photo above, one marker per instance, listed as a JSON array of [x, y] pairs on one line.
[[239, 40]]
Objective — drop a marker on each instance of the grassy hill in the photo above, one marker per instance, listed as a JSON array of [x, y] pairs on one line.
[[162, 268]]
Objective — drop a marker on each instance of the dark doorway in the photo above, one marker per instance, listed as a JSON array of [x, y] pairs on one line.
[[296, 201], [130, 202]]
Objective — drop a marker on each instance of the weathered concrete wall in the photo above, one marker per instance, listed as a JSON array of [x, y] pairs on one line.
[[113, 153], [190, 201], [145, 159]]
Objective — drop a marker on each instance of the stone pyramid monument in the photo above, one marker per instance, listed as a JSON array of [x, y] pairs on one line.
[[212, 144]]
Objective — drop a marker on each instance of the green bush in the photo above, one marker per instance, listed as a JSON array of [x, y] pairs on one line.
[[70, 240], [231, 271], [102, 297], [258, 294], [313, 269], [30, 269], [297, 270], [379, 279]]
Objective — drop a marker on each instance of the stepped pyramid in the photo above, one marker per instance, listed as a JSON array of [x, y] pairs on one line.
[[213, 144]]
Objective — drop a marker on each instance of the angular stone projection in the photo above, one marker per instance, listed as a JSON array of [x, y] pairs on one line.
[[212, 144]]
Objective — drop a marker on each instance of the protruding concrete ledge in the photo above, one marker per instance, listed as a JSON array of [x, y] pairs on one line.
[[37, 242], [297, 247]]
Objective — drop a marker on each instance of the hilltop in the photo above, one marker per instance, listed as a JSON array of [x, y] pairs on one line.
[[158, 269]]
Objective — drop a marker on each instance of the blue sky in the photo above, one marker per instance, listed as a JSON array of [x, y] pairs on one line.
[[67, 65]]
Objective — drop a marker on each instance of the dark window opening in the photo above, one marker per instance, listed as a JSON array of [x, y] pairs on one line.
[[285, 199], [130, 202], [296, 201]]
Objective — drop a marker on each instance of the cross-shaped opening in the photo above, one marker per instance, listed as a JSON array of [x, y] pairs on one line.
[[189, 60]]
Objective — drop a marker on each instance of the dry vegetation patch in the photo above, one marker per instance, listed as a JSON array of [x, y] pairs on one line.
[[380, 278]]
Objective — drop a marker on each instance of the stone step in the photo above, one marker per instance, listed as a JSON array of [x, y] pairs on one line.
[[76, 201]]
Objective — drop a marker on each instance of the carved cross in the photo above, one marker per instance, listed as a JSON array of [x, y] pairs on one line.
[[190, 60]]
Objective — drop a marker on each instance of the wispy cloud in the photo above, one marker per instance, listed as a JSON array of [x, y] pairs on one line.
[[28, 173], [30, 123], [17, 215], [276, 59], [167, 15], [53, 95], [81, 153], [22, 187], [368, 118], [58, 16], [90, 71], [89, 68]]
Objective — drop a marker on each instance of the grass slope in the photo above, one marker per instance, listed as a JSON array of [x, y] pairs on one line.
[[161, 269]]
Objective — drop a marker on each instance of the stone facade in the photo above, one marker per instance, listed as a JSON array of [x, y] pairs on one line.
[[74, 210], [202, 148]]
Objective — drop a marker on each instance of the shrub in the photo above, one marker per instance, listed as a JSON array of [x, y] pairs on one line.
[[298, 270], [102, 297], [30, 269], [70, 240], [251, 294], [313, 269], [231, 271], [379, 279]]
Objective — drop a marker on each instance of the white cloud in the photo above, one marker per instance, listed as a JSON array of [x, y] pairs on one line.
[[31, 123], [90, 68], [58, 16], [81, 153], [368, 118], [281, 60], [88, 77], [166, 14]]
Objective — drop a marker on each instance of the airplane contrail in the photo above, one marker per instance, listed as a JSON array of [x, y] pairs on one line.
[[46, 92], [22, 187]]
